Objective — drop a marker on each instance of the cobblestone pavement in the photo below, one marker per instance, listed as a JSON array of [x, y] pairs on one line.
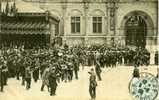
[[114, 86]]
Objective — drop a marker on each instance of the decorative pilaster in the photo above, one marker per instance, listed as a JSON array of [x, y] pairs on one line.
[[112, 10], [86, 7], [63, 19], [112, 13]]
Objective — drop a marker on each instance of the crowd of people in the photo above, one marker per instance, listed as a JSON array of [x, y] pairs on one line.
[[61, 64]]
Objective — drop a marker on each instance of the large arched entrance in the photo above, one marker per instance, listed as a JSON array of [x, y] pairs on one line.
[[135, 31]]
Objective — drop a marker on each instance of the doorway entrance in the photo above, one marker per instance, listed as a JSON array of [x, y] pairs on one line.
[[136, 31]]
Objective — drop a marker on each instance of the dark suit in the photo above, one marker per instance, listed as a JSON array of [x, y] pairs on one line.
[[92, 86], [1, 80], [52, 83]]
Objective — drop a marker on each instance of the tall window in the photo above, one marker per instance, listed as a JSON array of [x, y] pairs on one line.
[[97, 24], [75, 24]]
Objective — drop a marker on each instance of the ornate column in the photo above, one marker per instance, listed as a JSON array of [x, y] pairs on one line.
[[112, 10]]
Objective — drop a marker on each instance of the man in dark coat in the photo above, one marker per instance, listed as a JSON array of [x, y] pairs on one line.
[[17, 65], [52, 81], [70, 69], [36, 71], [1, 79], [156, 57], [76, 67], [28, 77], [5, 73], [92, 84], [136, 73]]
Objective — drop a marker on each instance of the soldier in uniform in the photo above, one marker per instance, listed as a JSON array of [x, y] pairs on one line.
[[92, 84]]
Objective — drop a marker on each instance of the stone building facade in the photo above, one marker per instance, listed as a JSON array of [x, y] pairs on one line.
[[110, 22]]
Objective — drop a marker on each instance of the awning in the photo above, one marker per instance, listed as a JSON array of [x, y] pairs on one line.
[[25, 28], [25, 25]]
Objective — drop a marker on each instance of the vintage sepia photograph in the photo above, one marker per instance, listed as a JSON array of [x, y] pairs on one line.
[[79, 50]]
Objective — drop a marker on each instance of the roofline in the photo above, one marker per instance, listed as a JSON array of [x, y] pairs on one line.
[[31, 14]]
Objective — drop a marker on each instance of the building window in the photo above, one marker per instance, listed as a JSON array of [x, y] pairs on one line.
[[97, 24], [75, 24]]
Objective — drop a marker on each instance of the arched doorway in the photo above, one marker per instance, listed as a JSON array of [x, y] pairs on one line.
[[146, 29], [135, 31]]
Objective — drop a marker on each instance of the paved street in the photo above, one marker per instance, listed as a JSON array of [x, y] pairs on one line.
[[114, 86]]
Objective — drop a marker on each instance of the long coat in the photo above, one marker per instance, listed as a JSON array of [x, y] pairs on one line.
[[52, 80], [45, 76], [1, 77]]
